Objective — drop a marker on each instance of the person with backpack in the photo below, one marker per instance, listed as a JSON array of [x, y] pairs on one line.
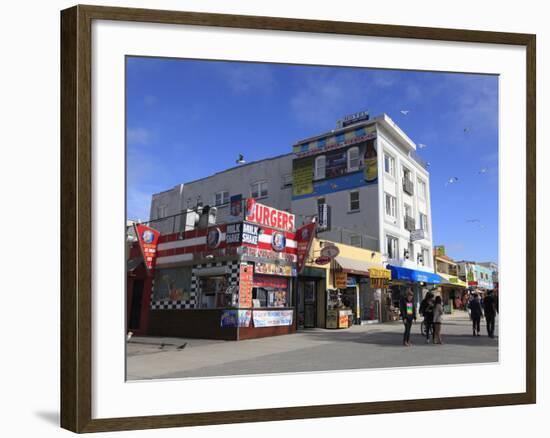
[[476, 312], [408, 314], [490, 310], [438, 317]]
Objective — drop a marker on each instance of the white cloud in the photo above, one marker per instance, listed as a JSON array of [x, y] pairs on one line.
[[138, 136], [322, 97]]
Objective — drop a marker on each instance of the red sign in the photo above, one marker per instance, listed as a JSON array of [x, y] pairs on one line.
[[271, 217], [269, 281], [472, 283], [304, 237], [148, 240], [245, 285], [323, 260]]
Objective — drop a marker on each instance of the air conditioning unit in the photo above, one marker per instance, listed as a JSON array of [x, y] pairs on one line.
[[207, 216]]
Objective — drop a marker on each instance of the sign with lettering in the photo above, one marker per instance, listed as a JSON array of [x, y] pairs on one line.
[[272, 269], [148, 241], [245, 285], [323, 217], [302, 176], [272, 318], [341, 280], [268, 216], [304, 237], [354, 118], [330, 251]]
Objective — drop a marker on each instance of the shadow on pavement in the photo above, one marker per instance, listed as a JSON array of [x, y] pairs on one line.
[[385, 339]]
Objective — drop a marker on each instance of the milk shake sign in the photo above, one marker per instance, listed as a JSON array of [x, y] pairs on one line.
[[267, 216]]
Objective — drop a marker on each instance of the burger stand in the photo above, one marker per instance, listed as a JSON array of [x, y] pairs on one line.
[[228, 281], [343, 283]]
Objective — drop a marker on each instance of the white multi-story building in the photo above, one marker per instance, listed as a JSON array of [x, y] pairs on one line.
[[376, 187]]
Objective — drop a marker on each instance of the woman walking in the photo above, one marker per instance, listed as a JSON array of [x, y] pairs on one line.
[[408, 313], [438, 316]]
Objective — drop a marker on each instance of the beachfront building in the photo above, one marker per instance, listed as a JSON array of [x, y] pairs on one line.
[[367, 187]]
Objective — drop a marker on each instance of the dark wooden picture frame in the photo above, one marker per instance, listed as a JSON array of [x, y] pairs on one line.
[[76, 217]]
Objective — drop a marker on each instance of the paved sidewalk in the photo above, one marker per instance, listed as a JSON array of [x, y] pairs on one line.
[[367, 346]]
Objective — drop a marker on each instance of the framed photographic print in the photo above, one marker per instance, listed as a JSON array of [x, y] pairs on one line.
[[269, 218]]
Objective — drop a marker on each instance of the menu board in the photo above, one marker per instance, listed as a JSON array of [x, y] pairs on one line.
[[245, 285]]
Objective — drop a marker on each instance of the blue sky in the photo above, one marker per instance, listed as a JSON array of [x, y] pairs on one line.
[[187, 119]]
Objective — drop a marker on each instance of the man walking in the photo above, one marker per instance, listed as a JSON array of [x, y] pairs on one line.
[[490, 309], [476, 312]]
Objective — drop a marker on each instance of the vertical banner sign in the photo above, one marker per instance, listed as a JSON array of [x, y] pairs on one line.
[[236, 207], [148, 240], [323, 217], [304, 237], [302, 176], [245, 285]]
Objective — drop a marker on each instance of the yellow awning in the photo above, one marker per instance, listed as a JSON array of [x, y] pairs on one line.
[[452, 280]]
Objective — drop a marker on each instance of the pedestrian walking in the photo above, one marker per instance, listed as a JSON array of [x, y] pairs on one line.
[[428, 313], [490, 310], [476, 312], [438, 318], [408, 314]]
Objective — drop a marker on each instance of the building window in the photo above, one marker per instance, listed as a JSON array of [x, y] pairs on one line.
[[422, 188], [423, 222], [340, 138], [287, 180], [391, 203], [353, 159], [221, 198], [161, 211], [408, 186], [304, 147], [392, 247], [354, 201], [321, 143], [389, 164], [320, 166], [258, 189], [360, 132], [425, 260], [355, 240]]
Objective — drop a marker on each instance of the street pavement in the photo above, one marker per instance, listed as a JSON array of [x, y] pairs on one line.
[[366, 346]]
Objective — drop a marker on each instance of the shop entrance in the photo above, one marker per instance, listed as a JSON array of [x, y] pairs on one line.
[[135, 309], [307, 304]]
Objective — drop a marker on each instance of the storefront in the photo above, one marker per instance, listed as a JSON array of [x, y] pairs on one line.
[[229, 281], [418, 281], [350, 291], [452, 291]]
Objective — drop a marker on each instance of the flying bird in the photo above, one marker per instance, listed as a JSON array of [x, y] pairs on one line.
[[483, 170], [422, 145], [405, 112], [240, 160], [451, 180], [472, 220], [466, 130], [129, 336]]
